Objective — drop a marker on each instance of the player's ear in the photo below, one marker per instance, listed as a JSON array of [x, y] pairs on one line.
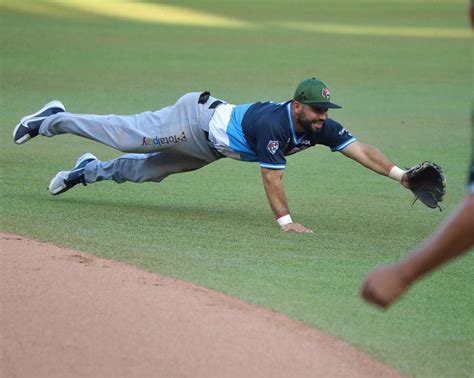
[[297, 106]]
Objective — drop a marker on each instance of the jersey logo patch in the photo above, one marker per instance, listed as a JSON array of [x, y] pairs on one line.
[[326, 93], [272, 146]]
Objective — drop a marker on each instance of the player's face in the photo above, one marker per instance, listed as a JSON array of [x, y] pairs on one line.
[[311, 118]]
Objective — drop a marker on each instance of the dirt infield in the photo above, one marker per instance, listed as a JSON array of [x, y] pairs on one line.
[[65, 313]]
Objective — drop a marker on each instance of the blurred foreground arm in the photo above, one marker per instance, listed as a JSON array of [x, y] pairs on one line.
[[384, 285]]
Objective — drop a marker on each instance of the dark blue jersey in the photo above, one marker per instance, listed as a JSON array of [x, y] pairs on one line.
[[269, 134]]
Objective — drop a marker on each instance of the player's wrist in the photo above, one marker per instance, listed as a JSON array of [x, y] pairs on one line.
[[407, 271], [396, 173], [284, 220]]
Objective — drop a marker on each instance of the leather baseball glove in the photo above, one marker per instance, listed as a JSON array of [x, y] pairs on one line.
[[428, 183]]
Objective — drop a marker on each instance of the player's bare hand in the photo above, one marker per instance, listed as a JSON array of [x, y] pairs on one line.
[[296, 227], [405, 181], [384, 285]]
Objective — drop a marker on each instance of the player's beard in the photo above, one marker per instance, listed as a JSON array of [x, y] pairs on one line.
[[306, 123]]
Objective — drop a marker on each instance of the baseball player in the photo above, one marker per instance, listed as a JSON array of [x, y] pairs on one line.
[[200, 129]]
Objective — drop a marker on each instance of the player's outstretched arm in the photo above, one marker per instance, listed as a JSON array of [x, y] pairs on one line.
[[386, 284], [372, 158], [273, 184]]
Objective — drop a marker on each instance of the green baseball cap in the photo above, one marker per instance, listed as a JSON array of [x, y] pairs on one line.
[[314, 92]]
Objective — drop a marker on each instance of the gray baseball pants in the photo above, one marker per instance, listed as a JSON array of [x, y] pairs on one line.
[[170, 140]]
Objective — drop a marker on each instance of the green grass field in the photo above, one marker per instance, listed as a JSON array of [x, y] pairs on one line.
[[406, 91]]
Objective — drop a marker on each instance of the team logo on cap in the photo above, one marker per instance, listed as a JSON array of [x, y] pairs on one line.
[[326, 93], [272, 146]]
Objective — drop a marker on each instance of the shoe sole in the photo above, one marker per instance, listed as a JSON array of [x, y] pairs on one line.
[[59, 189], [26, 137]]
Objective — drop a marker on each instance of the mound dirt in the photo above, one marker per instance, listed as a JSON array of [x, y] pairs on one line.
[[65, 313]]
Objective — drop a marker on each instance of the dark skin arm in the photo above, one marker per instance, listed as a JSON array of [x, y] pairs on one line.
[[273, 184], [385, 285]]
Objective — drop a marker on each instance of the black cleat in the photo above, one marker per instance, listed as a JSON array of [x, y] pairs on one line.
[[29, 125]]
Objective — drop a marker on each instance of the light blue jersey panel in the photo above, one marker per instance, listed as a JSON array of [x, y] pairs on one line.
[[237, 140]]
